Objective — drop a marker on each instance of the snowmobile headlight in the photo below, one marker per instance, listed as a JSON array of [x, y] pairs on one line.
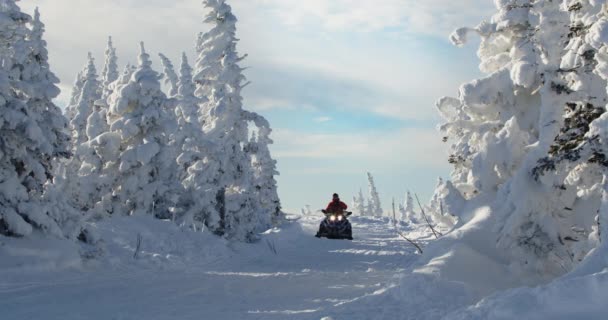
[[340, 218], [332, 218]]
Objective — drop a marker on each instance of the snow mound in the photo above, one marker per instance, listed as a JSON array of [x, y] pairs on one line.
[[38, 253], [577, 298], [162, 244]]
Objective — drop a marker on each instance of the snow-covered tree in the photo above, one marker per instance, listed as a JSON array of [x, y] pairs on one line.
[[188, 110], [523, 135], [198, 169], [446, 205], [407, 210], [90, 176], [219, 76], [264, 168], [84, 107], [32, 128], [70, 109], [359, 207], [374, 207], [144, 166], [169, 75], [109, 72]]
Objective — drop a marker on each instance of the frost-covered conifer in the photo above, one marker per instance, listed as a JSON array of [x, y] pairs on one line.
[[374, 207], [219, 76], [523, 135], [144, 165], [84, 107], [264, 168], [407, 209], [198, 169], [109, 73], [32, 128], [446, 205], [169, 75], [188, 109], [359, 207], [70, 109]]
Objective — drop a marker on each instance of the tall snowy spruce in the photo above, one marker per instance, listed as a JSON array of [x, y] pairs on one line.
[[198, 168], [136, 150], [219, 77], [359, 207], [169, 75], [89, 93], [109, 73], [264, 167], [374, 207], [408, 214], [32, 129], [529, 135]]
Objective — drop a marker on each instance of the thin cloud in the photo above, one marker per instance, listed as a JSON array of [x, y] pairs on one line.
[[322, 119], [411, 147], [436, 17]]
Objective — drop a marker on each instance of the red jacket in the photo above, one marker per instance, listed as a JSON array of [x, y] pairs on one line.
[[336, 206]]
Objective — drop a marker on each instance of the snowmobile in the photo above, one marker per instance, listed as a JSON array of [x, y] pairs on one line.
[[335, 226]]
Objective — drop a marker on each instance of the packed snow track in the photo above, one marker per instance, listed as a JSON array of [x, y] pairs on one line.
[[289, 274]]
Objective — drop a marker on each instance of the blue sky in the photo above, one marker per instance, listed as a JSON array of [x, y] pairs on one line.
[[348, 85]]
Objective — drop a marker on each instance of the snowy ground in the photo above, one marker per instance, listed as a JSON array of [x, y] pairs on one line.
[[186, 275], [307, 278]]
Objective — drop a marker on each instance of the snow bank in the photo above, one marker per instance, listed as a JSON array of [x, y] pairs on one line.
[[162, 243], [113, 243], [38, 253], [576, 298]]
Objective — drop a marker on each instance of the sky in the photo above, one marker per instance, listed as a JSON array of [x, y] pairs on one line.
[[349, 86]]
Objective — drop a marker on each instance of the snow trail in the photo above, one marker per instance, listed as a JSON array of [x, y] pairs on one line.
[[307, 278]]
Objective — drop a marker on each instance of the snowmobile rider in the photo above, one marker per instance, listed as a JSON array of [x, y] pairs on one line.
[[335, 206]]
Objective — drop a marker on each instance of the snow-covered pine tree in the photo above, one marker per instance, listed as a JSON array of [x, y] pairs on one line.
[[374, 206], [169, 75], [264, 168], [187, 110], [70, 109], [582, 66], [359, 207], [142, 124], [84, 107], [32, 128], [407, 210], [518, 134], [79, 181], [446, 205], [219, 75], [109, 73], [198, 169]]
